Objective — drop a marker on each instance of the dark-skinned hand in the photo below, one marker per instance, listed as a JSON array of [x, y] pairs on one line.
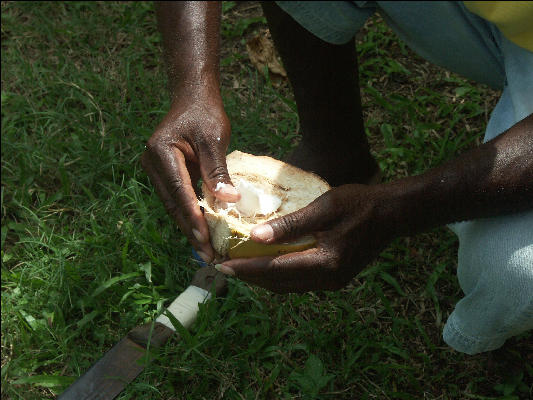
[[191, 143], [349, 229]]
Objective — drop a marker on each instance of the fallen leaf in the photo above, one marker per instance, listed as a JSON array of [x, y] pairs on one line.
[[264, 57]]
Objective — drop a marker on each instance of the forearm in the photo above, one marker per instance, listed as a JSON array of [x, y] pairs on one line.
[[494, 179], [191, 40]]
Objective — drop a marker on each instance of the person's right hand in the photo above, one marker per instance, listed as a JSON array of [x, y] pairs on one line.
[[190, 143]]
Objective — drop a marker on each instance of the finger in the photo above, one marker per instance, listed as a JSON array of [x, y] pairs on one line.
[[291, 273], [283, 287], [183, 208], [301, 285], [212, 160], [305, 264], [315, 217], [194, 173]]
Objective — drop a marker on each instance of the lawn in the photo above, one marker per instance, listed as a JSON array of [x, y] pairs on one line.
[[88, 251]]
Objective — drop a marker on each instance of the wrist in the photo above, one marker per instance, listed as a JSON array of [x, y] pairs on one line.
[[196, 86], [490, 180], [201, 95], [406, 207], [418, 203]]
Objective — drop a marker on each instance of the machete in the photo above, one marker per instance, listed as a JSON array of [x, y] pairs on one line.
[[121, 365]]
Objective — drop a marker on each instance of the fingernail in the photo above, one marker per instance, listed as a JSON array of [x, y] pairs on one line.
[[203, 256], [227, 192], [263, 232], [225, 270], [198, 235]]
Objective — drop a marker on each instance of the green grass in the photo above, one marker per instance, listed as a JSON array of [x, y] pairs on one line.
[[88, 251]]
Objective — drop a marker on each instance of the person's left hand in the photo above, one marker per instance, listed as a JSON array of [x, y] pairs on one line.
[[350, 227]]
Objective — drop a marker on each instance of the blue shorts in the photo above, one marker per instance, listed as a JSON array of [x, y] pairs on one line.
[[495, 261]]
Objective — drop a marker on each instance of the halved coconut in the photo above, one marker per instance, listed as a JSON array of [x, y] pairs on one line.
[[269, 188]]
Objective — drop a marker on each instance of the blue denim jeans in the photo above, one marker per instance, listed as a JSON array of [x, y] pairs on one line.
[[495, 260]]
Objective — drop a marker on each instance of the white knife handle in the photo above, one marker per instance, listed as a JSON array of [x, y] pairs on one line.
[[185, 307]]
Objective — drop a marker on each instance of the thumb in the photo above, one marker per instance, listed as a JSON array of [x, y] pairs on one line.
[[215, 174], [307, 220]]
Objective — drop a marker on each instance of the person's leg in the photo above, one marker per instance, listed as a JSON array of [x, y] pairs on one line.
[[495, 267], [496, 274], [445, 33], [495, 261], [324, 78]]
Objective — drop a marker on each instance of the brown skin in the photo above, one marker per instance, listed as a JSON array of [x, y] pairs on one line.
[[353, 222], [192, 139], [325, 83]]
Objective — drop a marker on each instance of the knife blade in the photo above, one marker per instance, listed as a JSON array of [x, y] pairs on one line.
[[126, 360]]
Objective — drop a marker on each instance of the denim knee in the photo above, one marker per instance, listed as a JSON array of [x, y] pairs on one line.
[[495, 272]]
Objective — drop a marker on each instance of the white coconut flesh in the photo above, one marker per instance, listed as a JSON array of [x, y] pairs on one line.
[[254, 201], [269, 189]]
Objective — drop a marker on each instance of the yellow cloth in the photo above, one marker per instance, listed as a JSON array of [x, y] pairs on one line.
[[513, 18]]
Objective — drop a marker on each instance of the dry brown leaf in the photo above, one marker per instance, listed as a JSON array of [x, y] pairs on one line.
[[263, 54]]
